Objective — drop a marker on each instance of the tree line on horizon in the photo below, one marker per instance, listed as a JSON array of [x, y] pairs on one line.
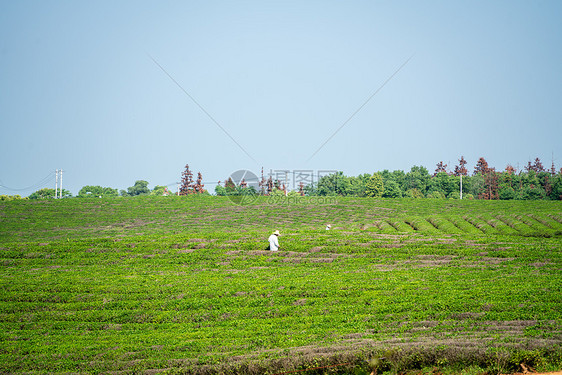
[[485, 182], [534, 181]]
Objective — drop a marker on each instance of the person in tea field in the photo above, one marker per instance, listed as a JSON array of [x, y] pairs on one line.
[[328, 227], [274, 241]]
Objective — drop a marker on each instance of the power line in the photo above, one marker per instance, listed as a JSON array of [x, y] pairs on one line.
[[201, 108], [41, 182], [360, 107]]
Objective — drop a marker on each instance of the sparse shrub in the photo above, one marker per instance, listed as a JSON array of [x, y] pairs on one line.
[[8, 198], [413, 193], [454, 195], [436, 195]]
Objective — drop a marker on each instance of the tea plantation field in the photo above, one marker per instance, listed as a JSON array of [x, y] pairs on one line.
[[185, 285]]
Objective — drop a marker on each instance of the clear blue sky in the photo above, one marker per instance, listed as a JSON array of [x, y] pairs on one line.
[[80, 91]]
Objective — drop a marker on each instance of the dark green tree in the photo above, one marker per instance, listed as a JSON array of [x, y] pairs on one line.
[[310, 189], [139, 188], [506, 192], [473, 185], [391, 189], [531, 192], [220, 190], [333, 184], [355, 186], [442, 183], [556, 183], [418, 178]]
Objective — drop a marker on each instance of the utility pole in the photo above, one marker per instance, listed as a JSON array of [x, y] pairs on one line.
[[56, 182], [60, 184]]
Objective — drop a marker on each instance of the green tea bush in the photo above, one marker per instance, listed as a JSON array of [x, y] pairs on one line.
[[422, 225], [463, 225], [400, 225], [444, 225], [480, 224], [516, 224], [498, 225]]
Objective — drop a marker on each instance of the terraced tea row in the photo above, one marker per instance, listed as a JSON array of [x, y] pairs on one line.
[[87, 218], [487, 224]]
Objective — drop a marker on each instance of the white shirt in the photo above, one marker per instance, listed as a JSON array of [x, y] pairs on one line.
[[273, 243]]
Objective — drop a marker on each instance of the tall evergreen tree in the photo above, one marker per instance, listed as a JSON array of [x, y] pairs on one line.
[[491, 180], [187, 186], [440, 168], [537, 166], [262, 183], [510, 169], [481, 167], [199, 186], [491, 185], [460, 170]]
